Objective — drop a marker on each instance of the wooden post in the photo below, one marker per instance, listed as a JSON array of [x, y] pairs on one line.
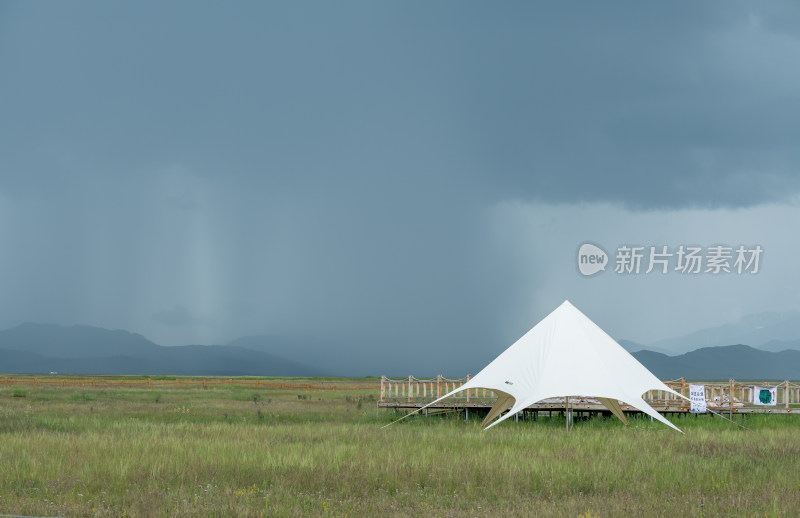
[[410, 378], [683, 392], [730, 410], [566, 411], [149, 383], [786, 394], [383, 388], [35, 382], [176, 382], [204, 383], [439, 387], [256, 383], [93, 383], [469, 377]]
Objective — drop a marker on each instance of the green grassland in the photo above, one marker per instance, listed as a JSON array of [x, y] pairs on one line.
[[239, 451]]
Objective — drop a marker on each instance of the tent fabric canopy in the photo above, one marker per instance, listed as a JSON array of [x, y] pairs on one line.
[[566, 354]]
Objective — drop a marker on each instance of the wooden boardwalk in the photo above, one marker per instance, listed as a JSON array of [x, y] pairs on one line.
[[731, 397]]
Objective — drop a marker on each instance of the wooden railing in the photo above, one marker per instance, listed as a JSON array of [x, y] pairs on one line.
[[729, 396], [415, 389], [721, 396]]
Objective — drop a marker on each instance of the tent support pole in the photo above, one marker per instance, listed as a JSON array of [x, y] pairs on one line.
[[566, 411]]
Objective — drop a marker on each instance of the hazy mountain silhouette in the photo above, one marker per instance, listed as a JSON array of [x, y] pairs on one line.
[[740, 362], [74, 341], [632, 346], [781, 345], [754, 330], [303, 350], [43, 348]]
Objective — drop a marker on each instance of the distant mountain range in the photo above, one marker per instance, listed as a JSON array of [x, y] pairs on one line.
[[740, 362], [769, 331], [772, 350], [330, 356], [44, 348]]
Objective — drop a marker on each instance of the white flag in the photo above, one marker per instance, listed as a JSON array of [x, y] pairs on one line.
[[765, 396], [697, 395]]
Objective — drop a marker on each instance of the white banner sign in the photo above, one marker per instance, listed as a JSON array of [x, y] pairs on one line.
[[765, 396], [697, 395]]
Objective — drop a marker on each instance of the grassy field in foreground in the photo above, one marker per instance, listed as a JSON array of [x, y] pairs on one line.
[[234, 451]]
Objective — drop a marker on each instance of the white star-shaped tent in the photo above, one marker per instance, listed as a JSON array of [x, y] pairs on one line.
[[565, 355]]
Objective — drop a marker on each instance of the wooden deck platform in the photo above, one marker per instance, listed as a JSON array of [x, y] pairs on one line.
[[727, 398]]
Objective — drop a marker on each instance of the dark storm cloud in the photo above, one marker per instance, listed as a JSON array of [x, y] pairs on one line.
[[652, 106], [325, 169]]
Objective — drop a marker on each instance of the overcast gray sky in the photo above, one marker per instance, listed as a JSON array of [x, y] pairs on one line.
[[399, 180]]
